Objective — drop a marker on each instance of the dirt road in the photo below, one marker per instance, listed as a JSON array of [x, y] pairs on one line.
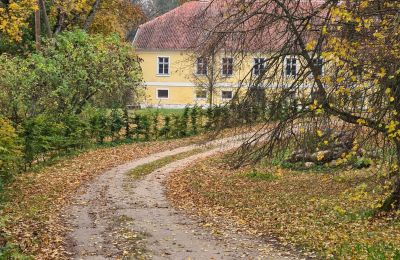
[[117, 217]]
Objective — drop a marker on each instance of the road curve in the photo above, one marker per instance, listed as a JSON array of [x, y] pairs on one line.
[[115, 217]]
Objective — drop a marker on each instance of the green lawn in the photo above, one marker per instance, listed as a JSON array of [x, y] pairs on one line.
[[161, 111]]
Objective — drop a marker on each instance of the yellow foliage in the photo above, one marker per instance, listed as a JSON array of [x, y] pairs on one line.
[[116, 16], [14, 19]]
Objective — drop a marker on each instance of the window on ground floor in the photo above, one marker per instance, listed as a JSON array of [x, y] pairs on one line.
[[162, 93], [226, 94], [201, 94]]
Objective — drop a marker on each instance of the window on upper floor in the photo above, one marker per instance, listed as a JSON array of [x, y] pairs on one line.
[[201, 94], [163, 66], [319, 63], [259, 66], [227, 67], [226, 94], [201, 66], [290, 66], [162, 93]]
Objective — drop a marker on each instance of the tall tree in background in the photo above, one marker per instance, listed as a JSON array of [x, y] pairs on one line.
[[116, 17], [95, 16], [155, 8]]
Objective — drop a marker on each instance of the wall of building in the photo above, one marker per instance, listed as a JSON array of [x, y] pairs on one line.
[[182, 82]]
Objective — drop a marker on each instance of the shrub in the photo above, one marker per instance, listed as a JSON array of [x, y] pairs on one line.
[[99, 125], [155, 123], [145, 127], [194, 118], [166, 129], [117, 123], [10, 151]]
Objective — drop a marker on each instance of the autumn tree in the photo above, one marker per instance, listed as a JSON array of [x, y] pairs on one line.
[[73, 71], [337, 62], [94, 16], [155, 8], [116, 17]]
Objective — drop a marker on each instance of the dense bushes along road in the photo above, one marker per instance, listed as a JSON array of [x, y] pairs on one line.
[[73, 93]]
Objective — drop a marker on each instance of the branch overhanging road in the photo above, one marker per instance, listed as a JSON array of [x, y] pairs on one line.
[[117, 217]]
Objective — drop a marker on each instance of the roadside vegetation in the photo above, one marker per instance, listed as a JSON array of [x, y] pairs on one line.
[[33, 196], [148, 168], [32, 205], [331, 211]]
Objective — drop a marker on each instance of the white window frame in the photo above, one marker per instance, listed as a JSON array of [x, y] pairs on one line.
[[255, 64], [222, 67], [162, 98], [197, 66], [158, 66], [285, 65], [225, 90], [197, 98]]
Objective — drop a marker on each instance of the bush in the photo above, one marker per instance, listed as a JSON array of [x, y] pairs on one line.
[[10, 151], [166, 129], [117, 123], [99, 125], [72, 71]]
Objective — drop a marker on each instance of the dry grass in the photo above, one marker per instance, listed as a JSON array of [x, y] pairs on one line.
[[331, 213], [30, 218]]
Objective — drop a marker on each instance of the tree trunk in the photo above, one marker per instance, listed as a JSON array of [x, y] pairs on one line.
[[91, 15], [37, 27], [60, 21], [45, 18], [393, 201]]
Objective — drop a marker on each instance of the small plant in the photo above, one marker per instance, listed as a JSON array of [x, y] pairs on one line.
[[138, 127], [166, 129], [261, 176], [362, 162], [10, 151], [194, 116], [183, 123], [155, 120], [145, 127], [210, 119], [176, 122], [99, 126], [117, 123], [127, 123]]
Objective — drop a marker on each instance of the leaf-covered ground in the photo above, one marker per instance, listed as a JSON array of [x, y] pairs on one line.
[[330, 213], [30, 217]]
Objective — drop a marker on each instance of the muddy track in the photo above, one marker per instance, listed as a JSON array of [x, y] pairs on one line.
[[117, 217]]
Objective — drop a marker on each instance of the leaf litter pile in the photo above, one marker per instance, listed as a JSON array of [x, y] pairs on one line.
[[31, 216], [330, 214]]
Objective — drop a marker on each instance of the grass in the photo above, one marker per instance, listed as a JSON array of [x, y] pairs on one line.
[[161, 111], [148, 168], [261, 176], [331, 213]]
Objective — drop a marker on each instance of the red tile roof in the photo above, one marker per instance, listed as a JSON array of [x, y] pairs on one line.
[[173, 30], [190, 25]]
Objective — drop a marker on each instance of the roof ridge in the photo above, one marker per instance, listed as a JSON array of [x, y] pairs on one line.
[[174, 10]]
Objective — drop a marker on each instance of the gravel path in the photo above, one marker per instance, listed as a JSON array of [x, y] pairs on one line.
[[116, 217]]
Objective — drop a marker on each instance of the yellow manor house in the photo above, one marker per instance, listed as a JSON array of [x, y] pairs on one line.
[[175, 76]]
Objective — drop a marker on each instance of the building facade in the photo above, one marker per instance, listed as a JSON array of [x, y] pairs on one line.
[[176, 76]]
